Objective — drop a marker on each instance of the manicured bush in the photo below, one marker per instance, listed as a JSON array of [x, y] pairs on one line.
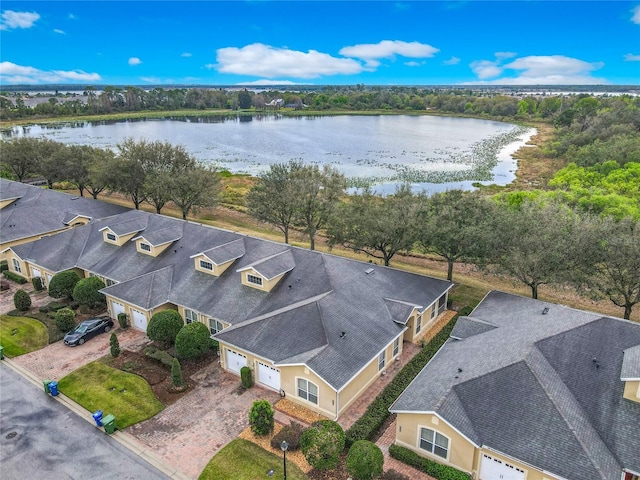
[[4, 265], [193, 340], [123, 320], [368, 425], [289, 433], [164, 326], [430, 467], [22, 300], [65, 319], [364, 460], [246, 378], [322, 443], [55, 306], [43, 309], [63, 283], [86, 292], [14, 277], [37, 284], [164, 357], [114, 345], [261, 417], [176, 374]]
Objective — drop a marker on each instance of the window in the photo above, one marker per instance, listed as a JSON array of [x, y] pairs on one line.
[[253, 279], [433, 311], [145, 246], [111, 237], [110, 282], [418, 323], [396, 346], [190, 316], [16, 265], [381, 361], [215, 326], [307, 390], [434, 442], [206, 265]]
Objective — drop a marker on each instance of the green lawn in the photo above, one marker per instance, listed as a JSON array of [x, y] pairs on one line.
[[244, 460], [19, 335], [97, 386]]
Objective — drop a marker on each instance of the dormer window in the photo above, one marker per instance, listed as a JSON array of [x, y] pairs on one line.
[[111, 237], [253, 279], [145, 246], [206, 265]]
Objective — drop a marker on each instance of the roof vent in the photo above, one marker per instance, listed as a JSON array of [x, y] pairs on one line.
[[369, 271], [545, 311], [75, 198], [342, 335]]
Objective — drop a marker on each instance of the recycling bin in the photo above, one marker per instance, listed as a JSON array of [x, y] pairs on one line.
[[97, 416], [46, 384], [53, 388], [109, 422]]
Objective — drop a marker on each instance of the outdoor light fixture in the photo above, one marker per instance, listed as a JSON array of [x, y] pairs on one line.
[[284, 445]]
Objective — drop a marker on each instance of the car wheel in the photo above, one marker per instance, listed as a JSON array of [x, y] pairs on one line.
[[107, 328], [81, 341]]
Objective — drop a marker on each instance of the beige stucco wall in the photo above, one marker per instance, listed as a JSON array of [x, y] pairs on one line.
[[202, 318], [217, 269], [155, 251], [120, 240], [632, 390], [266, 286]]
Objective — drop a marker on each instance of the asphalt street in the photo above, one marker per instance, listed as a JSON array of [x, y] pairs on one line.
[[40, 438]]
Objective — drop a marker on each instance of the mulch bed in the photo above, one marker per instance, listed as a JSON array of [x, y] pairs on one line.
[[157, 375]]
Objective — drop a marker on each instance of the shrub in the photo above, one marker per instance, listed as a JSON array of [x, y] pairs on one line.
[[246, 378], [436, 470], [193, 340], [14, 276], [115, 345], [322, 443], [63, 283], [86, 292], [4, 265], [37, 284], [43, 309], [176, 374], [22, 300], [4, 285], [55, 306], [65, 319], [164, 357], [289, 433], [123, 320], [164, 326], [364, 460], [261, 417]]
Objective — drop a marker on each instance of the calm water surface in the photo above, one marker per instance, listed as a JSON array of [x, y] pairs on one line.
[[432, 153]]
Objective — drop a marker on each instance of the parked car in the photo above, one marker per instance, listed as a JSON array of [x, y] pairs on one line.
[[88, 329]]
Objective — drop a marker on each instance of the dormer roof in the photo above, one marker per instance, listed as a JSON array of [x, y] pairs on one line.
[[630, 364], [161, 236], [69, 217], [127, 227], [273, 266], [224, 253], [400, 311]]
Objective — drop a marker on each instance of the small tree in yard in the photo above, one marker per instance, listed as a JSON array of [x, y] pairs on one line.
[[193, 340], [22, 300], [365, 460], [176, 374], [246, 378], [164, 326], [63, 283], [87, 292], [322, 443], [115, 345], [65, 319], [261, 417]]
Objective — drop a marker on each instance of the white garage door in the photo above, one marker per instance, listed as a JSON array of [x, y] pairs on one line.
[[139, 320], [235, 361], [269, 376], [496, 469], [116, 308], [49, 277], [35, 272]]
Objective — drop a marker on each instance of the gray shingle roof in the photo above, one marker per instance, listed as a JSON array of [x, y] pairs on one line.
[[529, 387], [399, 311], [467, 327], [163, 235], [225, 253], [631, 363], [273, 266]]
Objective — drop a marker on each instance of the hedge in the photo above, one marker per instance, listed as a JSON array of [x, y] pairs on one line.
[[368, 425], [430, 467], [164, 357], [14, 276]]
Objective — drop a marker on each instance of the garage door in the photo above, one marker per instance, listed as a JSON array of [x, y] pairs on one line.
[[235, 361], [35, 272], [495, 469], [116, 308], [49, 277], [269, 376], [139, 320]]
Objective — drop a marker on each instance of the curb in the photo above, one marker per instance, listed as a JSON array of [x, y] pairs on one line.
[[125, 439]]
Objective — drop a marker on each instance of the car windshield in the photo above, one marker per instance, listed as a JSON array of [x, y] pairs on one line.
[[81, 328]]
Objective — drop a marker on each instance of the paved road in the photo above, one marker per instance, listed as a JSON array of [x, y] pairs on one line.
[[41, 439]]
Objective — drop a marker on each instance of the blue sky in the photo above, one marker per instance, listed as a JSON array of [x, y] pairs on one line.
[[262, 42]]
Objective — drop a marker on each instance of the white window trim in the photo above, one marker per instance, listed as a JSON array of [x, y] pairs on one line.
[[382, 360], [435, 432], [16, 265], [418, 323], [145, 247], [309, 382], [206, 265], [187, 316], [110, 235], [216, 322], [254, 279]]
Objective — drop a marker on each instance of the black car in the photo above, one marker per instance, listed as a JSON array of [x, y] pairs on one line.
[[88, 329]]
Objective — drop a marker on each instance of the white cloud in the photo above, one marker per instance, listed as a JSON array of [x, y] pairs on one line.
[[501, 55], [630, 57], [486, 68], [186, 54], [270, 62], [71, 16], [10, 73], [57, 30], [268, 82], [11, 19], [413, 64], [635, 18], [133, 61], [372, 52], [452, 61]]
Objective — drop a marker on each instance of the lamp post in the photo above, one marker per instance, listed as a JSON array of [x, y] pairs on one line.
[[284, 445]]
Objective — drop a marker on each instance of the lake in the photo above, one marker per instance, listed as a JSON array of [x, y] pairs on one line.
[[432, 153]]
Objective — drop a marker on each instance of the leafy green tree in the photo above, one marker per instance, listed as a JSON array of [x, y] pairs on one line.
[[63, 283], [114, 345], [244, 99], [365, 460], [128, 173], [377, 226], [50, 160], [87, 292], [65, 319], [193, 340], [261, 417], [322, 444], [20, 156], [164, 326], [195, 188], [22, 300], [99, 164], [176, 374]]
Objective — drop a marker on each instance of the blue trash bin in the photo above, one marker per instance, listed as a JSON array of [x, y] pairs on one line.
[[97, 416], [53, 388]]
